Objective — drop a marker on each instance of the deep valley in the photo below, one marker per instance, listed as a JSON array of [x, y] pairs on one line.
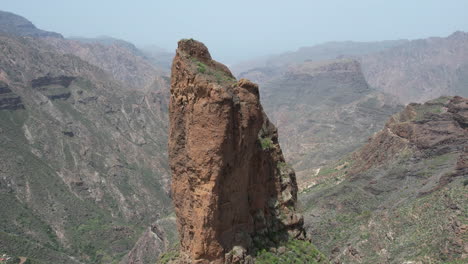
[[343, 152]]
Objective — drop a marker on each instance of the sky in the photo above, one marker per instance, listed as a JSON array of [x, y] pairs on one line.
[[239, 30]]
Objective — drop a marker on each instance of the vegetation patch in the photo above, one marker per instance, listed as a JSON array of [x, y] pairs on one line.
[[168, 256], [201, 67], [339, 167], [435, 106], [331, 174], [441, 100], [220, 76], [284, 167], [292, 251], [266, 143]]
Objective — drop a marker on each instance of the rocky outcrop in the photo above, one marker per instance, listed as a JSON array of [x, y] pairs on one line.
[[55, 88], [434, 128], [8, 99], [401, 198], [232, 190], [157, 239], [64, 81], [4, 89]]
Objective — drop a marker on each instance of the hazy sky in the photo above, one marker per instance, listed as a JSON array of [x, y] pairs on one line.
[[236, 30]]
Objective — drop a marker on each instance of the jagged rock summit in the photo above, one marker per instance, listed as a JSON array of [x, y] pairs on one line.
[[232, 190]]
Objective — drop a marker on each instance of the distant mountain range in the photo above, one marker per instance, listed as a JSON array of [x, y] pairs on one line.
[[421, 70], [326, 51], [413, 71]]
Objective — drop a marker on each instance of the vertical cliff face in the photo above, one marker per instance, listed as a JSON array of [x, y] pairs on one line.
[[231, 187]]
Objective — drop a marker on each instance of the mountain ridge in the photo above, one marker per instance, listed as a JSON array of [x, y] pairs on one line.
[[64, 176], [399, 198], [323, 111], [412, 70], [14, 24]]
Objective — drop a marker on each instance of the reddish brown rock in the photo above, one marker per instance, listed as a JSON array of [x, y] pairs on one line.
[[231, 187], [434, 128]]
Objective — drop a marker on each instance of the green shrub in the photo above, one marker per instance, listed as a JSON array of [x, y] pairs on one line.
[[168, 256], [201, 67], [297, 251], [282, 165], [266, 143]]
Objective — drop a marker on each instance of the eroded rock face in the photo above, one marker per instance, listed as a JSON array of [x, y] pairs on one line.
[[324, 110], [434, 128], [231, 187], [78, 147], [410, 176], [8, 99], [64, 81]]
